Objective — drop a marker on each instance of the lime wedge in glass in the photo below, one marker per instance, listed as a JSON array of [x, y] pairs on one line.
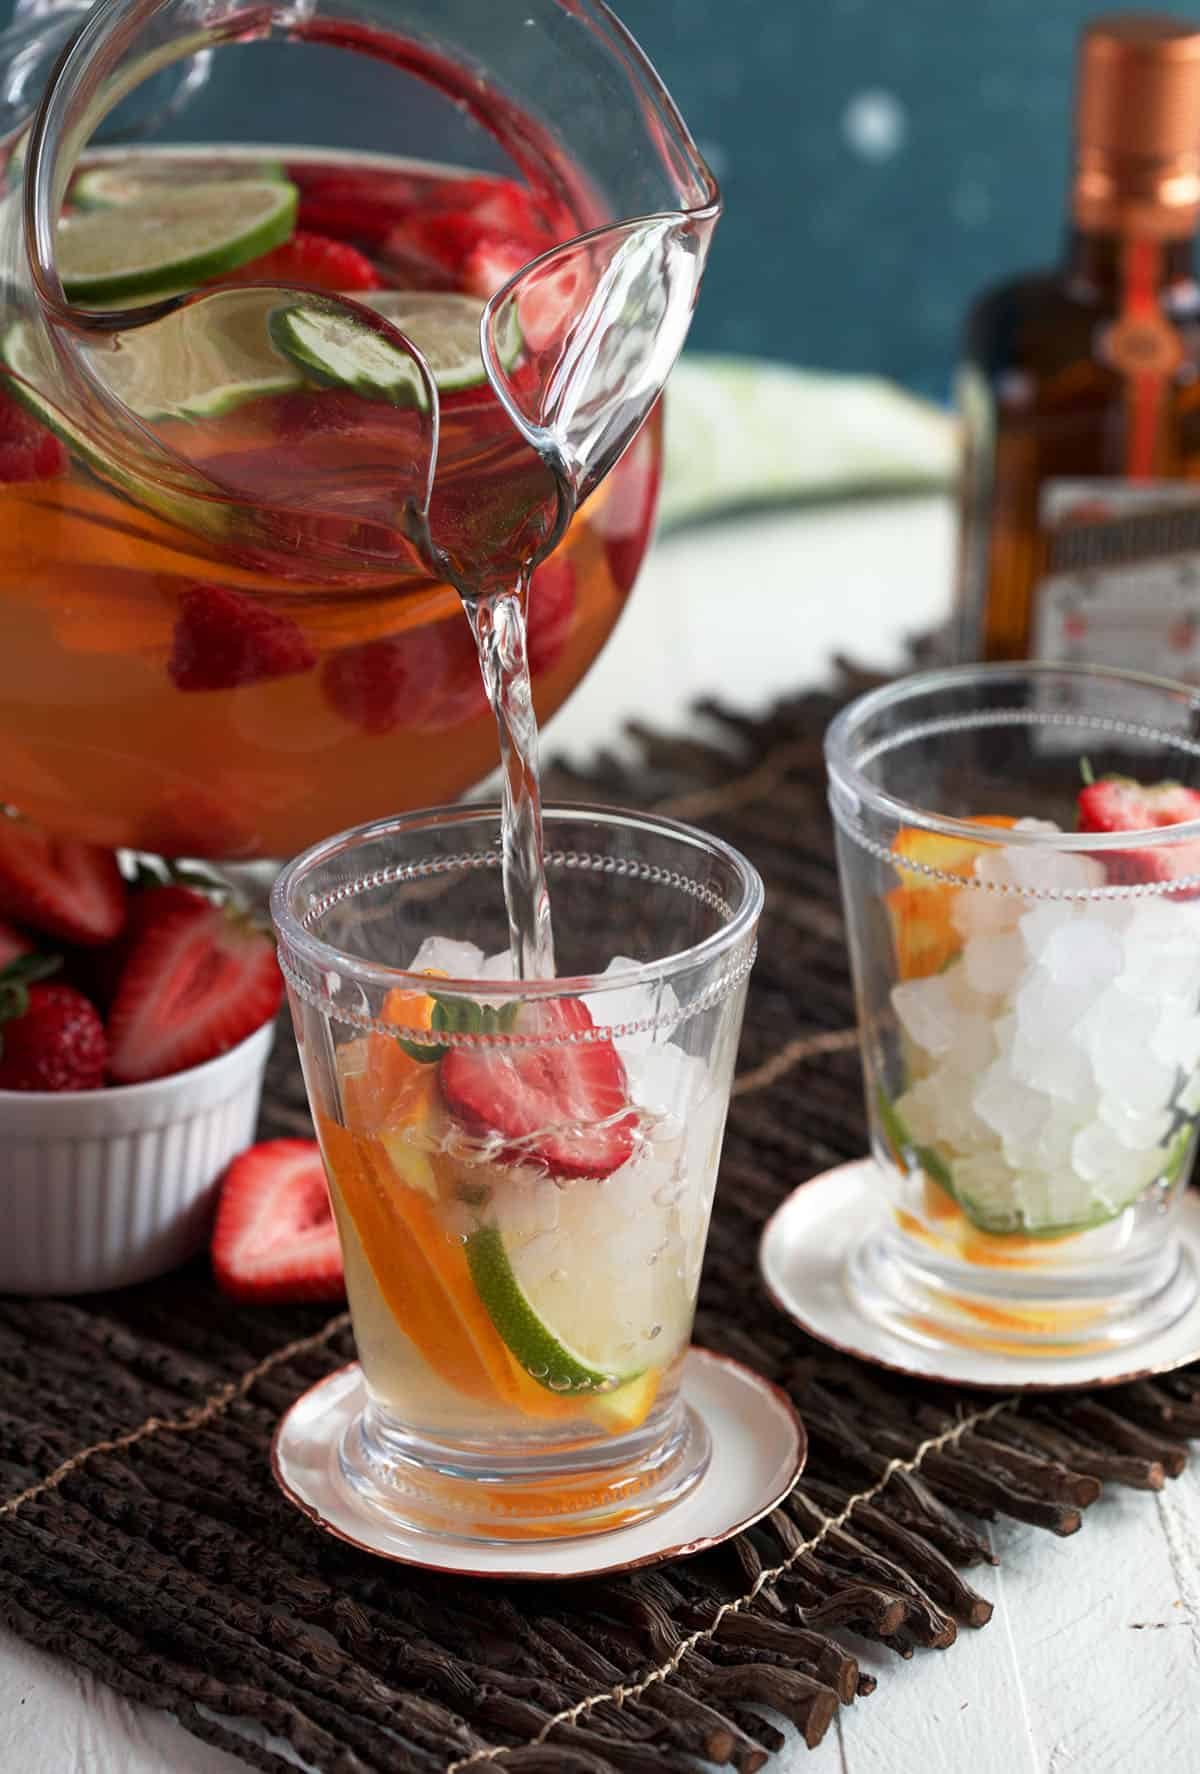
[[573, 1366], [172, 239]]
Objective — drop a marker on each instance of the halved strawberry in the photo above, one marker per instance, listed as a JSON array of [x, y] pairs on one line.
[[224, 639], [274, 1239], [422, 677], [1119, 804], [58, 885], [200, 979], [565, 1103], [97, 971], [27, 450], [311, 260]]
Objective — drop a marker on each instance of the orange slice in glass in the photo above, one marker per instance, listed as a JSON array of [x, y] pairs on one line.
[[920, 908]]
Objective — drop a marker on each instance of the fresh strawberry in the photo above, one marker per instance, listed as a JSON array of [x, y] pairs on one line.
[[198, 980], [1119, 804], [12, 944], [52, 1036], [58, 885], [224, 639], [364, 205], [492, 260], [97, 971], [315, 262], [274, 1240], [561, 1102], [551, 612], [386, 683], [27, 450]]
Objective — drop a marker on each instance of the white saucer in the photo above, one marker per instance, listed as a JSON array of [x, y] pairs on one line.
[[758, 1453], [802, 1256]]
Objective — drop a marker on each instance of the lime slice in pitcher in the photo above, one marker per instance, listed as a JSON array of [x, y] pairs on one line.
[[33, 383], [337, 348], [199, 362], [172, 239], [443, 326], [142, 178]]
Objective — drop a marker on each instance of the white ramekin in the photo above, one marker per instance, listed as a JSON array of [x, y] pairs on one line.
[[100, 1188]]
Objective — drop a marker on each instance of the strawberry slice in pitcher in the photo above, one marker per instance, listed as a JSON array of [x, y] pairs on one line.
[[1119, 804], [560, 1101], [315, 262]]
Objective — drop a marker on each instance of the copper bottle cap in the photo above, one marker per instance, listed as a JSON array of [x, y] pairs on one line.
[[1138, 125]]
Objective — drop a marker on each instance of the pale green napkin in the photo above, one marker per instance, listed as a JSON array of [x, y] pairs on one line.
[[742, 432]]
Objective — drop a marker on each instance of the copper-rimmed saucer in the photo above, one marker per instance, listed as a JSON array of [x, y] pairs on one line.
[[803, 1257], [758, 1453]]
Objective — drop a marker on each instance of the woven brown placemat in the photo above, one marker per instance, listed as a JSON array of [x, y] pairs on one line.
[[142, 1537]]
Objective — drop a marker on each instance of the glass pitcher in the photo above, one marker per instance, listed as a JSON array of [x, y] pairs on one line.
[[314, 318]]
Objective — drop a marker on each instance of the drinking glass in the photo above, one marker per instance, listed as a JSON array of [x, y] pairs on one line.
[[1029, 1004], [521, 1171]]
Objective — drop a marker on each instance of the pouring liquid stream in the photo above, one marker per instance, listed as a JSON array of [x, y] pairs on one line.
[[499, 626]]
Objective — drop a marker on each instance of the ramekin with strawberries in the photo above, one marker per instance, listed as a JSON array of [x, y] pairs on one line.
[[136, 1015]]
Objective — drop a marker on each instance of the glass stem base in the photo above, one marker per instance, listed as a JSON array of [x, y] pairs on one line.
[[1046, 1312], [478, 1497]]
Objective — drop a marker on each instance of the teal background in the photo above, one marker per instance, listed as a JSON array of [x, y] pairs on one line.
[[880, 163]]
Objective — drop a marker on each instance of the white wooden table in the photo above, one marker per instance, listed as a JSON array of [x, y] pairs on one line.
[[1091, 1664]]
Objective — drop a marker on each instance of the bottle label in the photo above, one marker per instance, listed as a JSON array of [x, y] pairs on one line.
[[1122, 581]]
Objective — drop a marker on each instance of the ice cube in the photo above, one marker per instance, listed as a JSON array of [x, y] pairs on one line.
[[654, 1002], [1047, 1012], [1176, 1036], [917, 1110], [994, 962], [1060, 1198], [1043, 918], [937, 1111], [1083, 953], [1118, 1032], [1052, 1148], [497, 966], [985, 1180], [1189, 1096], [1010, 1108], [666, 1081], [1136, 1132], [928, 1012], [976, 1044], [1059, 1067], [1044, 869], [1134, 1177], [1162, 951], [458, 960], [1097, 1155], [984, 910]]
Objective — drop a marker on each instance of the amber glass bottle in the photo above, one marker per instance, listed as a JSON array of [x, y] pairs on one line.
[[1080, 390]]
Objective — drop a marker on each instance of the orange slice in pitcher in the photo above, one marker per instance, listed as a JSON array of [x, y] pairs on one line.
[[920, 908]]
